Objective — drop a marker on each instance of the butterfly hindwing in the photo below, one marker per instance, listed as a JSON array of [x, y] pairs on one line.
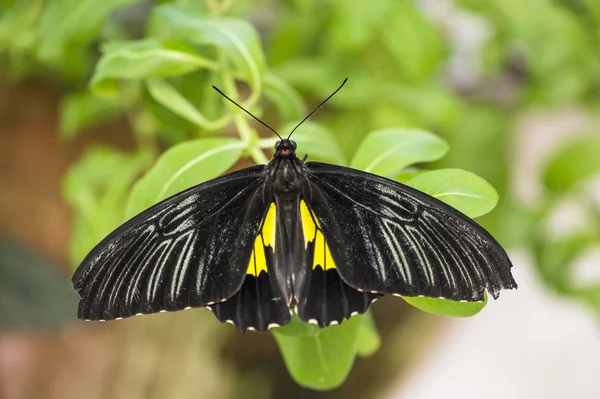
[[324, 298], [189, 250], [389, 238], [258, 305]]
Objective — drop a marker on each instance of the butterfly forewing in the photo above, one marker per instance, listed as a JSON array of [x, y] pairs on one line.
[[388, 238], [190, 250]]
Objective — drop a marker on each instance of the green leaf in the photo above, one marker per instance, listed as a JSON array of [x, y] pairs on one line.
[[96, 187], [574, 163], [235, 37], [369, 339], [463, 190], [298, 328], [80, 110], [386, 152], [142, 59], [166, 95], [182, 167], [68, 25], [409, 173], [446, 307], [16, 24], [319, 359], [317, 141], [555, 257], [412, 41]]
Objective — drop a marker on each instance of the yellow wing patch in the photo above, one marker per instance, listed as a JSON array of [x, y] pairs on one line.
[[264, 239], [312, 233]]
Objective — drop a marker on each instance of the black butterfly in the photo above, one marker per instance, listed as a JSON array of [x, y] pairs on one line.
[[323, 240]]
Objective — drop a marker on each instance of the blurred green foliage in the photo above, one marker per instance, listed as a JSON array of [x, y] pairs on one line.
[[410, 73]]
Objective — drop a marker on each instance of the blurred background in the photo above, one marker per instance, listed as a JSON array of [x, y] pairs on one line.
[[512, 86]]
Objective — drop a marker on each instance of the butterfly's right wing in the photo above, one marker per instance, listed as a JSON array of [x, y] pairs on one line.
[[190, 250], [388, 238]]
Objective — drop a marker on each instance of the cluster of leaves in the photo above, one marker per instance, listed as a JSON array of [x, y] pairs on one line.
[[157, 64], [567, 178], [551, 45]]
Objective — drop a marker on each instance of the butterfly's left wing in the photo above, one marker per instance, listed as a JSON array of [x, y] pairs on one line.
[[388, 238], [192, 249]]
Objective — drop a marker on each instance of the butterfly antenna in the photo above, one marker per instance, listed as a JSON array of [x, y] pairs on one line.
[[318, 106], [248, 112]]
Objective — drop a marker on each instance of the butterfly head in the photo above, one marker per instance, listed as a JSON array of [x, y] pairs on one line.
[[285, 149]]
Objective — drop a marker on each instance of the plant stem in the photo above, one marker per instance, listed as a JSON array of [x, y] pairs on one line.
[[241, 123]]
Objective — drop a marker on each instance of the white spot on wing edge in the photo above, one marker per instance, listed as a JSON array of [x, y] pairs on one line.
[[272, 325], [334, 322], [353, 314], [313, 321], [229, 321]]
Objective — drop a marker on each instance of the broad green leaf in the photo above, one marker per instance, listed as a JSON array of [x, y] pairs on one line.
[[555, 257], [182, 167], [317, 141], [409, 173], [369, 339], [320, 361], [386, 152], [96, 187], [463, 190], [446, 307], [68, 24], [166, 95], [80, 110], [574, 163], [289, 103], [298, 328], [412, 41], [16, 24], [351, 28], [142, 59], [235, 37]]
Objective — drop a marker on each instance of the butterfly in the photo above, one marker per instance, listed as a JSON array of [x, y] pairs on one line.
[[319, 240]]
